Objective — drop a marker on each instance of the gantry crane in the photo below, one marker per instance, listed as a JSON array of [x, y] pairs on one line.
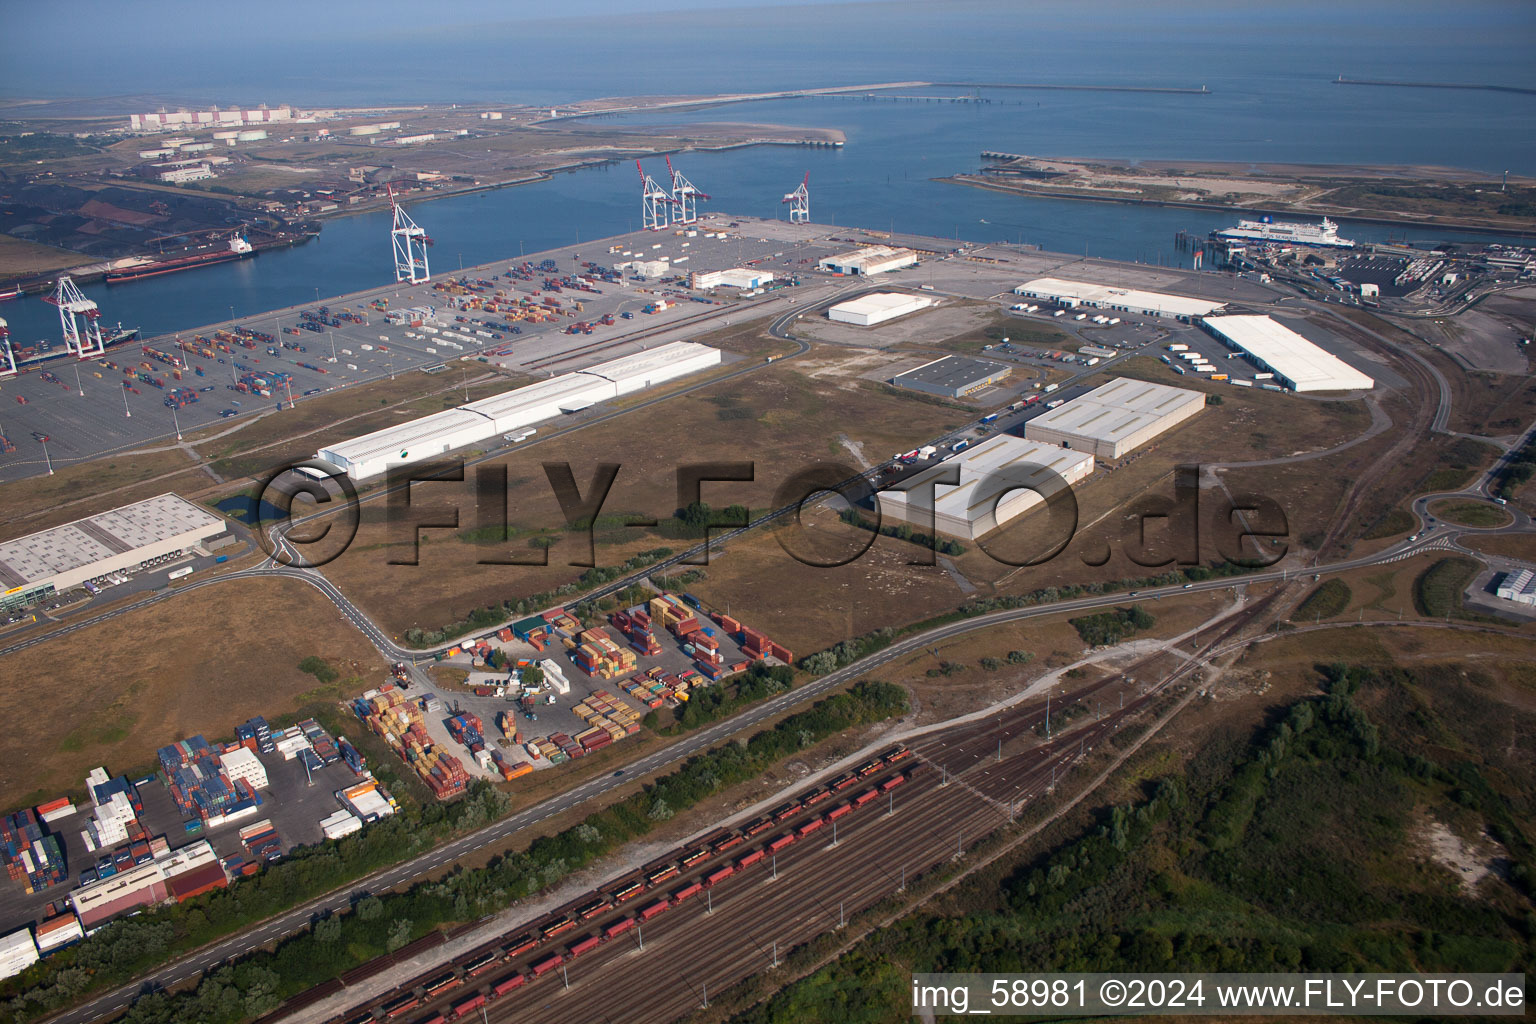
[[655, 203], [800, 200], [410, 244], [83, 339], [685, 196], [7, 357]]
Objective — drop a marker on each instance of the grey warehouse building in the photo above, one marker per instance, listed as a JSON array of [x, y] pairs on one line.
[[60, 559], [952, 376], [1116, 418]]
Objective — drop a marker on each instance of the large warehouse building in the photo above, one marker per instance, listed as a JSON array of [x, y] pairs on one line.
[[1116, 418], [981, 502], [738, 277], [372, 454], [1296, 362], [868, 310], [60, 559], [1071, 294], [872, 259], [952, 376]]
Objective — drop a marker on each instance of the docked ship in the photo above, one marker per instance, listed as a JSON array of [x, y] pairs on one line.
[[1288, 233], [47, 350], [238, 248]]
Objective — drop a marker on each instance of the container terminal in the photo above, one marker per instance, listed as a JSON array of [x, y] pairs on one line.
[[541, 315]]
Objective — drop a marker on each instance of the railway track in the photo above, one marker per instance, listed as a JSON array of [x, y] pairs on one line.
[[648, 933]]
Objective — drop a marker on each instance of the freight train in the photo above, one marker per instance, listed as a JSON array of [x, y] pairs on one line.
[[653, 879]]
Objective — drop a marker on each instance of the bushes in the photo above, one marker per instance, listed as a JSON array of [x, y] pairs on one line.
[[1326, 601], [1112, 627], [319, 668], [1437, 590]]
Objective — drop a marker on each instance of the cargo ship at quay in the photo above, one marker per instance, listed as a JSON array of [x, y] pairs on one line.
[[1324, 235], [237, 248]]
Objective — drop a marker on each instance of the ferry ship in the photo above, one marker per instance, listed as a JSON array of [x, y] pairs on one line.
[[1288, 232]]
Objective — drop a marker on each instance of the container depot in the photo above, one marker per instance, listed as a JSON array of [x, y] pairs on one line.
[[18, 951], [982, 501], [241, 764], [1116, 418], [877, 308], [1296, 362], [952, 376]]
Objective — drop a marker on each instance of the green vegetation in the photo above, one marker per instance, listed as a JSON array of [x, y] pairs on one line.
[[380, 924], [130, 946], [758, 682], [901, 531], [1302, 850], [1108, 628], [693, 521], [1437, 591], [1520, 468], [1326, 601], [1458, 465], [320, 669], [1470, 513], [1396, 520]]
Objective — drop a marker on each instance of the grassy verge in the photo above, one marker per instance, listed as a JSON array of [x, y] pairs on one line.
[[1470, 513], [1437, 591]]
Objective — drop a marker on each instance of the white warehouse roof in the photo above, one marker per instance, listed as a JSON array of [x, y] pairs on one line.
[[1115, 418], [971, 509], [542, 401], [653, 366], [1130, 300], [478, 421], [410, 441], [878, 307], [1298, 362], [117, 539]]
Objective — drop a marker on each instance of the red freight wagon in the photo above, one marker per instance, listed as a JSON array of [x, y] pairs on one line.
[[719, 875], [618, 927], [899, 754], [691, 889], [515, 980], [650, 910], [585, 945], [760, 825], [869, 768], [693, 857], [554, 928], [592, 909], [839, 811], [521, 945], [865, 797], [892, 782], [844, 781], [662, 874], [544, 964], [808, 828], [442, 983], [780, 842], [396, 1007], [749, 859], [629, 892], [721, 845], [816, 797], [785, 811], [466, 1006]]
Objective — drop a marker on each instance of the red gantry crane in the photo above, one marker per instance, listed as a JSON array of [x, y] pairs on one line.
[[410, 243], [800, 198], [655, 203], [685, 196]]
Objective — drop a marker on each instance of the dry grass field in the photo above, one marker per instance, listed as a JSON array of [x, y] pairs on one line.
[[202, 662]]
